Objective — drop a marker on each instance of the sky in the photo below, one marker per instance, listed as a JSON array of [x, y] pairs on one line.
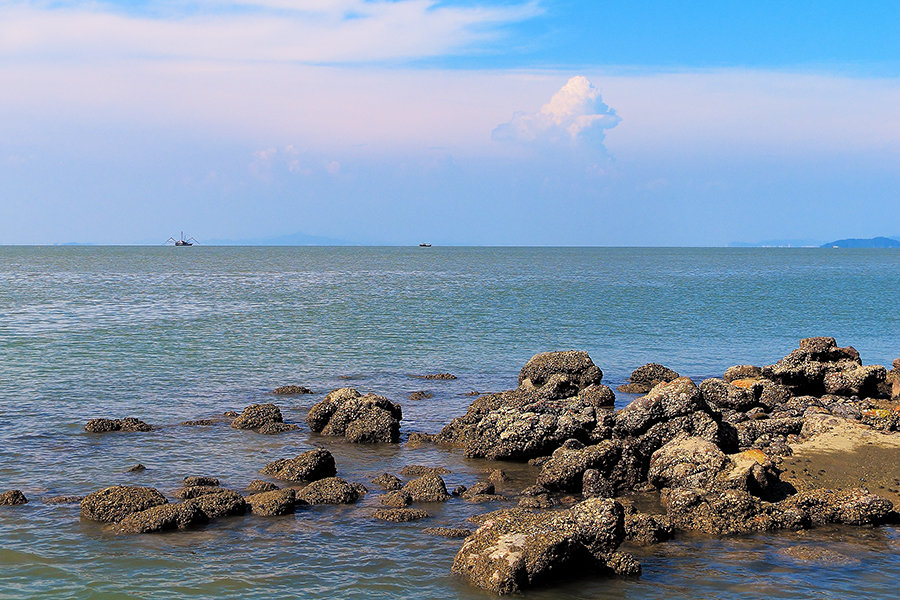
[[468, 122]]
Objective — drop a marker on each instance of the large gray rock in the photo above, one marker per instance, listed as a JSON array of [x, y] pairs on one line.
[[164, 517], [678, 398], [360, 419], [516, 549], [257, 416], [721, 395], [331, 490], [224, 503], [427, 488], [114, 503], [309, 466], [686, 462], [566, 468], [571, 368]]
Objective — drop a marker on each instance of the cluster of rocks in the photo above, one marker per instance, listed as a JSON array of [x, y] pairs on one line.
[[357, 418], [107, 425], [263, 418]]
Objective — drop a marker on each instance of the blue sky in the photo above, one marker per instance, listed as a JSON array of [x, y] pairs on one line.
[[468, 122]]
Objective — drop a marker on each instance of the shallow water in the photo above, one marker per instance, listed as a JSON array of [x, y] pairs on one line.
[[170, 334]]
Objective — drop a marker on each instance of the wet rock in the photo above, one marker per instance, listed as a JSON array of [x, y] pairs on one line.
[[107, 425], [742, 372], [331, 490], [199, 423], [230, 413], [396, 499], [447, 532], [420, 395], [275, 428], [645, 378], [478, 489], [199, 480], [416, 470], [855, 506], [439, 376], [427, 488], [164, 517], [643, 529], [286, 390], [458, 491], [388, 482], [257, 416], [274, 503], [418, 439], [112, 504], [472, 393], [540, 501], [258, 486], [565, 470], [718, 513], [823, 556], [498, 476], [516, 549], [224, 503], [594, 485], [400, 515], [196, 491], [138, 468], [362, 419], [721, 395], [13, 498], [63, 500], [598, 395], [309, 466]]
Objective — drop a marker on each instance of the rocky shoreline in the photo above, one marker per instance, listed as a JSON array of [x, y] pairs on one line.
[[807, 441]]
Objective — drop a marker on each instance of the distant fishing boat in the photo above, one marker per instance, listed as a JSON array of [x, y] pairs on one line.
[[424, 245], [181, 241]]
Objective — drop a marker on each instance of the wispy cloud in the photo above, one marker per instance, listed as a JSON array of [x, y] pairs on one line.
[[575, 115], [310, 31]]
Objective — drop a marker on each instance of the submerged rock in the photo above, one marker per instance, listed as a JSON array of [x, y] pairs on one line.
[[331, 490], [200, 480], [196, 491], [13, 498], [517, 549], [272, 504], [107, 425], [273, 428], [112, 504], [388, 481], [62, 500], [258, 486], [138, 468], [427, 488], [448, 532], [224, 503], [416, 470], [257, 416], [439, 376], [400, 515], [291, 390], [420, 395], [309, 466], [361, 419], [198, 423]]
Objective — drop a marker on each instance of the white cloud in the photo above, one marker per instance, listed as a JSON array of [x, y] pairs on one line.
[[315, 31], [576, 114]]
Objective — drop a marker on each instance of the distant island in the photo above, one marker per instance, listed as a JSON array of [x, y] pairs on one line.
[[876, 242]]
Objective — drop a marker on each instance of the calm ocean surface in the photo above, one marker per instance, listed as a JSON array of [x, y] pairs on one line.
[[170, 334]]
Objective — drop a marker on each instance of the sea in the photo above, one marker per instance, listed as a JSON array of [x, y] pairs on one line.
[[173, 334]]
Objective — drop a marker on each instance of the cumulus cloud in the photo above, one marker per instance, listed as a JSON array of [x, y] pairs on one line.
[[575, 115]]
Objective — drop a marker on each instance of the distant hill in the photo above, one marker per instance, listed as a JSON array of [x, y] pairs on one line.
[[876, 242]]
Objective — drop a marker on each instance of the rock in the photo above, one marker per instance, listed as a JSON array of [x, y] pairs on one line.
[[198, 423], [479, 489], [575, 366], [273, 428], [62, 500], [516, 549], [107, 425], [472, 393], [855, 506], [643, 529], [541, 501], [741, 372], [13, 498], [420, 395], [164, 517], [196, 491], [804, 370], [112, 504], [258, 415], [362, 419], [396, 499], [565, 470], [427, 488], [230, 413], [388, 482], [856, 381], [418, 439], [598, 395], [439, 376], [498, 476], [721, 395], [594, 485], [331, 490], [258, 486], [678, 398], [645, 378], [686, 462], [309, 466], [750, 432], [447, 532], [199, 480], [458, 491], [138, 468], [416, 470], [274, 503], [291, 390], [224, 503], [400, 515]]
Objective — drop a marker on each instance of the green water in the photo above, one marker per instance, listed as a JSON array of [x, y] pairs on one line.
[[170, 334]]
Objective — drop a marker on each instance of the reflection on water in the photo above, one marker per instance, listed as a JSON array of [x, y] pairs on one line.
[[170, 335]]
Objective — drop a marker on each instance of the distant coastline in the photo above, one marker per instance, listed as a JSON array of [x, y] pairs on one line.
[[876, 242]]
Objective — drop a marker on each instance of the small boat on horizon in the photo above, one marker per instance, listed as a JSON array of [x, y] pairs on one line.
[[181, 241]]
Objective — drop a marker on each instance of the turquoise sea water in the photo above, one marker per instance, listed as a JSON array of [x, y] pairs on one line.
[[170, 334]]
